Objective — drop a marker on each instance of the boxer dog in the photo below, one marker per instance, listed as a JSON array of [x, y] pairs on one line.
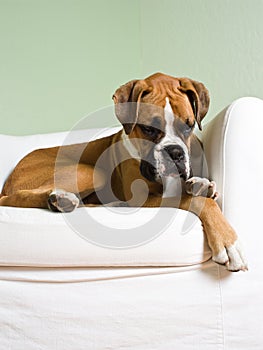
[[155, 160]]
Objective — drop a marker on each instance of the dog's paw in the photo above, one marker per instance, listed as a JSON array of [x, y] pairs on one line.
[[200, 186], [232, 257], [62, 201]]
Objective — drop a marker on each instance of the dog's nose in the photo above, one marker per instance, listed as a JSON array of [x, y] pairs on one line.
[[175, 152]]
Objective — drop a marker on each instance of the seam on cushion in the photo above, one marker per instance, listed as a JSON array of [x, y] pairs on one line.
[[150, 272], [221, 322]]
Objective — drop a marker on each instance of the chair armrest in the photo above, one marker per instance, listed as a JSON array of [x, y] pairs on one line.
[[233, 145]]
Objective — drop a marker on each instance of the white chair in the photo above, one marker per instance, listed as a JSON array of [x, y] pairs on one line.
[[59, 289]]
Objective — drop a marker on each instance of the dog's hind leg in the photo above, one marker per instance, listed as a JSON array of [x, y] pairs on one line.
[[72, 184], [36, 198], [61, 192], [55, 200]]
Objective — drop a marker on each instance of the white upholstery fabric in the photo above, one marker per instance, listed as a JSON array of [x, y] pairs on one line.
[[35, 237], [233, 144], [126, 309]]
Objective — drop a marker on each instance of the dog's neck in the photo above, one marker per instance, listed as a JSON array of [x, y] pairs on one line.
[[133, 152], [172, 186]]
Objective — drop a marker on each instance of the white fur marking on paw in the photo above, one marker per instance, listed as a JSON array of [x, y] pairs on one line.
[[196, 186], [61, 194], [221, 258], [237, 260], [233, 257]]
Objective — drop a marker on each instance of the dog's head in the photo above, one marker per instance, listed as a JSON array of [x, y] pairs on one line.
[[158, 115]]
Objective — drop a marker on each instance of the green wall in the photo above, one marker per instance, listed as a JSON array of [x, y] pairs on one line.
[[62, 59], [219, 42]]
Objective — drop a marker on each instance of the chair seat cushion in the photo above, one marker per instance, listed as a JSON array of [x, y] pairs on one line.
[[101, 237]]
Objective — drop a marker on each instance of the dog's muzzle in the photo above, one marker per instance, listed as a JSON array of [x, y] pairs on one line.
[[170, 160]]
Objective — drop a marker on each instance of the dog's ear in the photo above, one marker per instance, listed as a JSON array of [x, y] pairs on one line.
[[127, 100], [198, 96]]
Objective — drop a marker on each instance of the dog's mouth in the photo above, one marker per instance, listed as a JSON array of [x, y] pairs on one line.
[[150, 172], [158, 166]]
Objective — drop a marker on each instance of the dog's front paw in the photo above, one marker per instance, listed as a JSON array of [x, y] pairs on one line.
[[232, 257], [62, 201], [200, 186]]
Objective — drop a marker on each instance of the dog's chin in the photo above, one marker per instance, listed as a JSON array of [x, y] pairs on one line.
[[172, 175], [172, 170], [150, 173]]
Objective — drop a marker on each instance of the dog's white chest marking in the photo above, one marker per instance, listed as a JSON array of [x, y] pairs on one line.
[[172, 186], [133, 152]]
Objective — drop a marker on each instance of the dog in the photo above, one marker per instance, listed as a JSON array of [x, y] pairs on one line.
[[155, 160]]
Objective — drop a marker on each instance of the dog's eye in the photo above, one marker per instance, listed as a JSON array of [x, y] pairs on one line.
[[149, 131], [187, 130]]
